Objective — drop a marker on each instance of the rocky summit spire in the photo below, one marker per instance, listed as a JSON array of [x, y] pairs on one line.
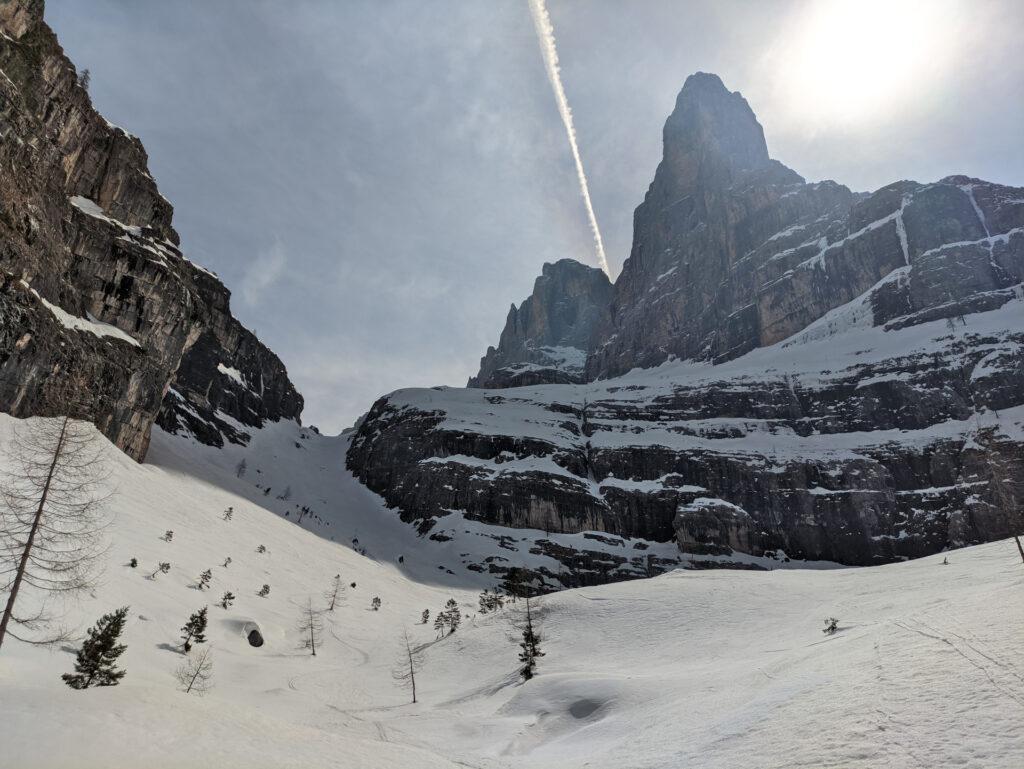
[[715, 196], [711, 134]]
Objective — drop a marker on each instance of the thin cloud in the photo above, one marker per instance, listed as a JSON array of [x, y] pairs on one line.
[[548, 49], [263, 273]]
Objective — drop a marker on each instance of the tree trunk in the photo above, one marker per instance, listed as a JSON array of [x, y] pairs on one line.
[[1019, 547], [23, 563], [412, 672], [312, 635]]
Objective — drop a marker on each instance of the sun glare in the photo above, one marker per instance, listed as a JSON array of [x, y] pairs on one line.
[[854, 61]]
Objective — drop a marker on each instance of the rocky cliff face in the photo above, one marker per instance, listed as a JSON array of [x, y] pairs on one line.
[[548, 337], [103, 317], [829, 376], [697, 283]]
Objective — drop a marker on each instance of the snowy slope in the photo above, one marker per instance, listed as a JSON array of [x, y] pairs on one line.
[[692, 669]]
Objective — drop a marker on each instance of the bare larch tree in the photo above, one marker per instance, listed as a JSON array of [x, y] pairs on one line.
[[334, 593], [311, 627], [409, 661], [51, 518], [196, 672]]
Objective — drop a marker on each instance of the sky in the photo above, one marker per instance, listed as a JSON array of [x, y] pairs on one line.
[[377, 181]]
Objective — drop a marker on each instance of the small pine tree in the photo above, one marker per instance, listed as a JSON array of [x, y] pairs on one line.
[[229, 513], [94, 664], [375, 603], [133, 562], [831, 625], [515, 583], [261, 549], [84, 78], [227, 599], [240, 468], [168, 536], [204, 579], [440, 624], [194, 631], [530, 645], [452, 615], [162, 568], [425, 616], [264, 591], [227, 561], [490, 601]]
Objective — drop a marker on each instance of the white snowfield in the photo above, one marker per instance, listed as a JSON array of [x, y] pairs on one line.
[[692, 669]]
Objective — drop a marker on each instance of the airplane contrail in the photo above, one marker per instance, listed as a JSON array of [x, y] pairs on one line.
[[546, 39]]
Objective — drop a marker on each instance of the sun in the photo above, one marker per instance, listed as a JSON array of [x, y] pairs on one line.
[[855, 61]]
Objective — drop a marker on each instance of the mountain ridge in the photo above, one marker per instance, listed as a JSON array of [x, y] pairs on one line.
[[702, 417], [89, 249]]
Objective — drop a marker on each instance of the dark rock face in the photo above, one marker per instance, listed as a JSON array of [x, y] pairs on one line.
[[848, 383], [102, 315], [548, 337], [699, 279]]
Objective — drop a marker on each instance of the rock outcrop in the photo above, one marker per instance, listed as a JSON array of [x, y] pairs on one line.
[[548, 337], [102, 315], [823, 375]]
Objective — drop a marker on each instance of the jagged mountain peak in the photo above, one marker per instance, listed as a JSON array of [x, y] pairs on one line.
[[548, 337], [711, 134]]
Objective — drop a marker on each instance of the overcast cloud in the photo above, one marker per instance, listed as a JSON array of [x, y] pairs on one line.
[[378, 180]]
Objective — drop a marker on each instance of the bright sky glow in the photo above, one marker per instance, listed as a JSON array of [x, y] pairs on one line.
[[854, 61]]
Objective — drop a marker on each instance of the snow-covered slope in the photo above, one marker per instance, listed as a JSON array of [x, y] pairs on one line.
[[694, 668]]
